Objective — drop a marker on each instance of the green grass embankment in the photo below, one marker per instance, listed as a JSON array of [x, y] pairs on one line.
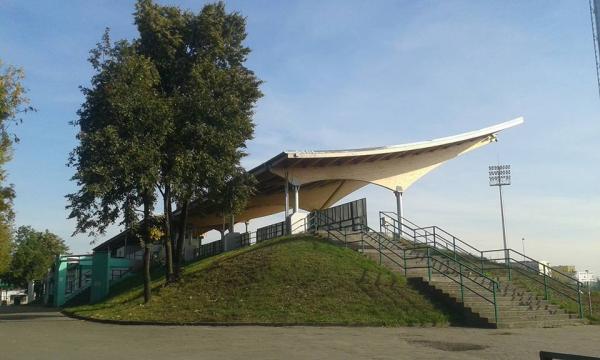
[[298, 280]]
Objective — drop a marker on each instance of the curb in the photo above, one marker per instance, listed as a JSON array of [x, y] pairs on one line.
[[226, 324]]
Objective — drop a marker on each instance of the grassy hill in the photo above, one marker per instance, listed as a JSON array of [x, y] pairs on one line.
[[297, 280]]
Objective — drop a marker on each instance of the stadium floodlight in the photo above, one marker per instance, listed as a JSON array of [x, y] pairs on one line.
[[500, 176]]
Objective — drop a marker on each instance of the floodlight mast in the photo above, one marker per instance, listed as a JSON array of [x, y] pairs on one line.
[[500, 176]]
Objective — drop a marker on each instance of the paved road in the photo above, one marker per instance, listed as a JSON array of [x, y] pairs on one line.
[[40, 333]]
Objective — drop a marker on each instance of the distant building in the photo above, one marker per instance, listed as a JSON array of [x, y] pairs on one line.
[[542, 267], [566, 269], [564, 272], [13, 297]]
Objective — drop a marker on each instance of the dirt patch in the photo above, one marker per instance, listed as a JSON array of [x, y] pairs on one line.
[[448, 346]]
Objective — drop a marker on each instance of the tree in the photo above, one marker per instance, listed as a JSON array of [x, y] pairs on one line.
[[234, 195], [122, 123], [5, 248], [166, 113], [34, 252], [13, 102], [200, 59]]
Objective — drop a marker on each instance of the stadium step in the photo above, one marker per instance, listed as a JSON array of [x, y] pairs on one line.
[[516, 306]]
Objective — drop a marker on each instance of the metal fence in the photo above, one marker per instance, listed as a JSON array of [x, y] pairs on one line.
[[271, 231], [210, 249], [246, 238], [349, 215]]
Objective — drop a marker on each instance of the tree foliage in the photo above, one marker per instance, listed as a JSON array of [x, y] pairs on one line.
[[167, 113], [123, 124], [13, 102], [34, 252], [232, 197], [200, 59]]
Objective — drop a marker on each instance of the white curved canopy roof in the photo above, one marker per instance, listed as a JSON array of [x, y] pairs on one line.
[[491, 130], [327, 176]]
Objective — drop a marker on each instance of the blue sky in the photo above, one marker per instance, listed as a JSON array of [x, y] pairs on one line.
[[342, 74]]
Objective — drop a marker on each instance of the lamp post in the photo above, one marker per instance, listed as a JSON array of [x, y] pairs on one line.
[[500, 176], [589, 281], [523, 241]]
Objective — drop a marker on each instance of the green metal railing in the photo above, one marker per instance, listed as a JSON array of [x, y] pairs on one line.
[[552, 283], [415, 236], [429, 235], [501, 261], [468, 278]]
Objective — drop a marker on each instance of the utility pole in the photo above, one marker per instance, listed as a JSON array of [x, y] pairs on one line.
[[595, 19], [500, 176], [523, 241], [589, 281]]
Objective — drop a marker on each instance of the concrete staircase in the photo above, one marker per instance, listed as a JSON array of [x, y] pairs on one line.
[[516, 307]]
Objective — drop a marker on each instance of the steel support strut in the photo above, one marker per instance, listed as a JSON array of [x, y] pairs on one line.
[[398, 194], [296, 198], [287, 196]]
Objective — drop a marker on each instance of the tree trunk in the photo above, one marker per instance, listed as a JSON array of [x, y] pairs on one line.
[[168, 241], [147, 244], [180, 238]]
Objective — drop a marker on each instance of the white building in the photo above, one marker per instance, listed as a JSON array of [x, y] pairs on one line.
[[13, 297], [543, 267]]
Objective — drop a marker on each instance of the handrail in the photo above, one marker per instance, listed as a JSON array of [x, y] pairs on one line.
[[434, 231], [536, 270], [534, 276], [470, 259], [476, 270], [383, 242], [373, 238], [387, 214], [544, 275], [456, 254], [494, 284], [539, 263], [395, 217], [301, 223]]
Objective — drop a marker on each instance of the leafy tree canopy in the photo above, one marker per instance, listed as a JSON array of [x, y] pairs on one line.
[[34, 252], [168, 112], [123, 123], [13, 102]]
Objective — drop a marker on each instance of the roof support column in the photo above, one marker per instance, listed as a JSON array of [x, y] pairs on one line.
[[296, 221], [296, 197], [287, 196], [286, 188], [399, 210]]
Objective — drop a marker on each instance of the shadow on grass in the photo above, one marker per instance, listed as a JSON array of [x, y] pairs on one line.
[[131, 288]]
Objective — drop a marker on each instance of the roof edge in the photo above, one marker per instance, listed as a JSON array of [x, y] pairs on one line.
[[490, 130]]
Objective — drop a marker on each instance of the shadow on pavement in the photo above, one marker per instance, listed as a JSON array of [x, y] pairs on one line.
[[28, 312]]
